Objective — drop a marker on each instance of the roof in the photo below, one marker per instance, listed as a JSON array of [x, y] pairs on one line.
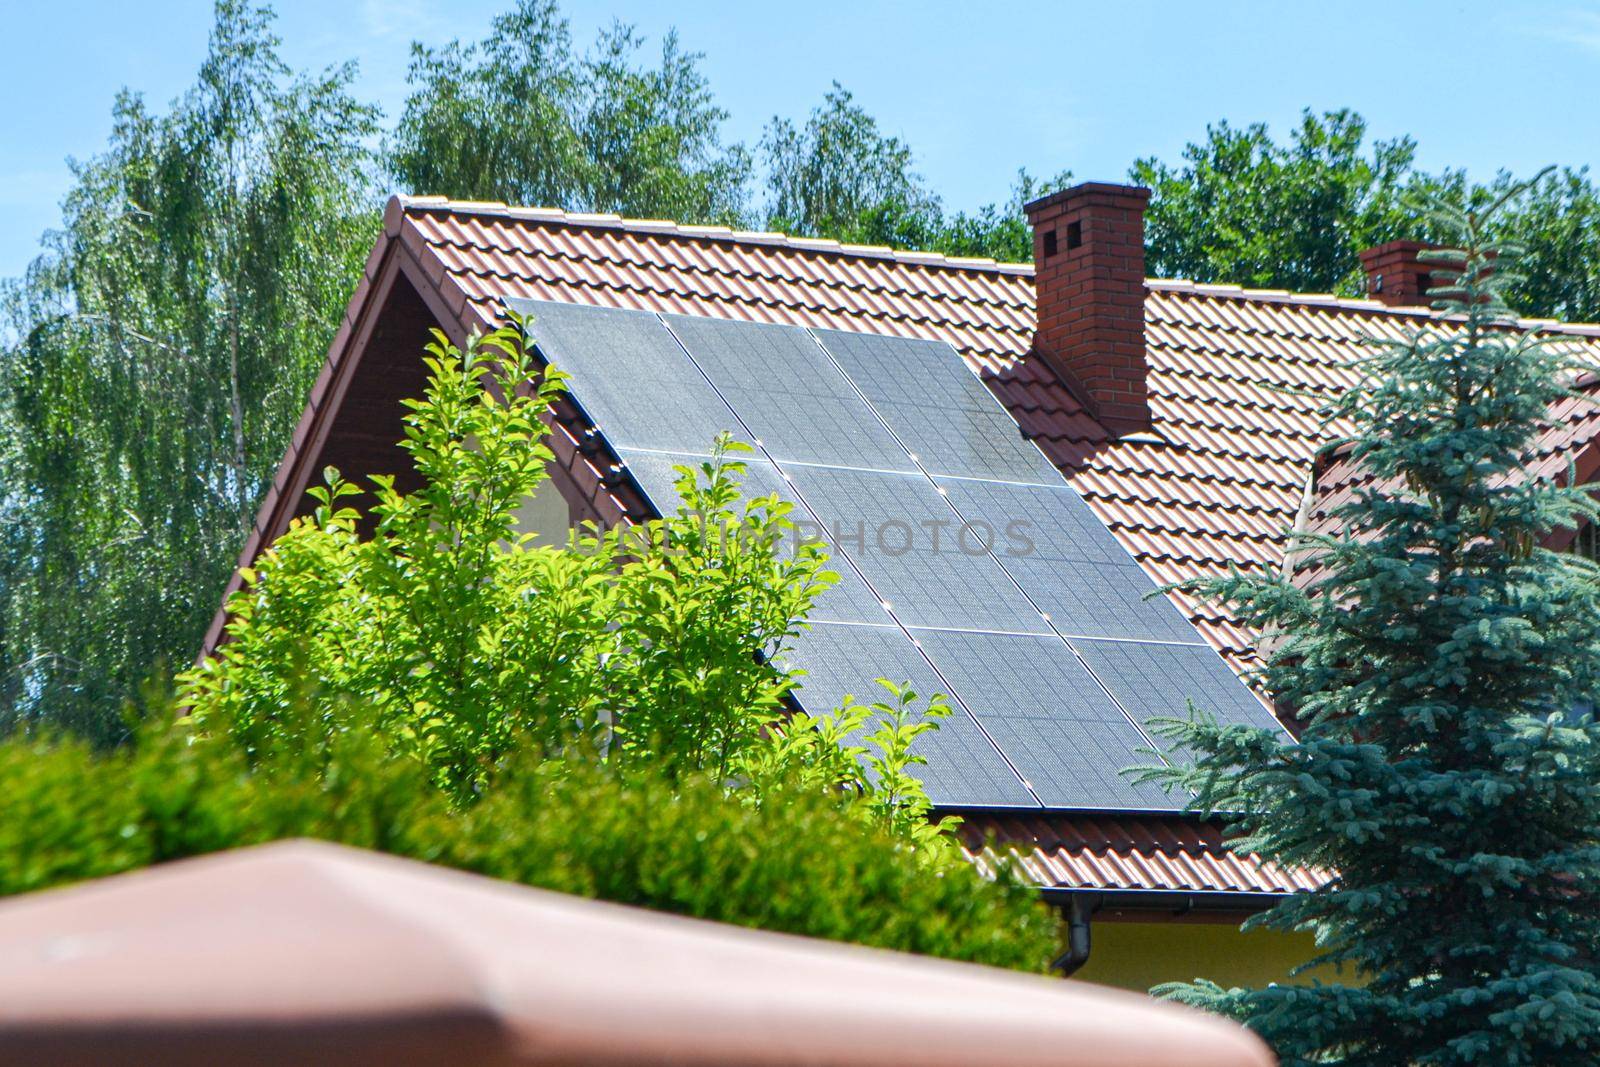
[[1574, 426], [1236, 379], [1125, 854], [1215, 484]]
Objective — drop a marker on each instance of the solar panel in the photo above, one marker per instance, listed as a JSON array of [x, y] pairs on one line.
[[1049, 716], [898, 456], [904, 537], [789, 394], [630, 376], [937, 407], [1068, 562], [657, 475], [1045, 521], [848, 600], [1152, 680], [1100, 600], [964, 768]]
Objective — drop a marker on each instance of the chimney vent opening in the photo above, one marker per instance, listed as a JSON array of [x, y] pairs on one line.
[[1049, 243], [1074, 234]]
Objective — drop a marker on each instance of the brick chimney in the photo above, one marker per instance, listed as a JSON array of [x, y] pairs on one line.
[[1088, 277], [1397, 275]]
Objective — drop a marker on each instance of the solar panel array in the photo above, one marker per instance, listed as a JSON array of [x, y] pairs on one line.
[[969, 567]]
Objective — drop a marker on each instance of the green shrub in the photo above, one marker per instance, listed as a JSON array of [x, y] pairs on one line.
[[791, 859], [796, 861], [655, 644]]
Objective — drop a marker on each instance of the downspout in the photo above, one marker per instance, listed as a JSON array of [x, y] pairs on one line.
[[1080, 908]]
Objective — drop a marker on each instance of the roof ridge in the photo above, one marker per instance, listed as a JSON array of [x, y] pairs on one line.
[[1229, 291], [706, 232], [1220, 290]]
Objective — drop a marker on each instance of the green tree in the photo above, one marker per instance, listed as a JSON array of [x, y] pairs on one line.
[[1559, 224], [998, 231], [1556, 222], [839, 175], [158, 354], [1444, 665], [1245, 209], [522, 118]]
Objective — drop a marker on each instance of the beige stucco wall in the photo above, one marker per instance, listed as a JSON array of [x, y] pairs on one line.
[[545, 515], [1138, 955]]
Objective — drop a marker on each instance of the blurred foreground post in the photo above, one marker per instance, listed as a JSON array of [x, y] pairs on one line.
[[311, 953]]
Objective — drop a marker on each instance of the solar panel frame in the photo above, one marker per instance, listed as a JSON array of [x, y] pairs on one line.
[[886, 523], [848, 600], [1060, 525], [1099, 600], [1070, 565], [1153, 680], [927, 447], [941, 412], [626, 368]]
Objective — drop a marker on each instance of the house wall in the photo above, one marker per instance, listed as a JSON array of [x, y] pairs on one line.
[[547, 515], [388, 371], [1138, 955]]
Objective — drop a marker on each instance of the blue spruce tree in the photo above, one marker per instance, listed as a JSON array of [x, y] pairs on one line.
[[1441, 661]]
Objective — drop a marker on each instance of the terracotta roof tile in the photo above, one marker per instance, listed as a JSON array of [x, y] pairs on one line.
[[1573, 427]]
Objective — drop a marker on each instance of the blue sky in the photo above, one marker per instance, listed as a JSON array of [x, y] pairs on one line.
[[977, 90]]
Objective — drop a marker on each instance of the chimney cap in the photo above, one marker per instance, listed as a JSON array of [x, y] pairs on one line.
[[1404, 249], [1109, 190]]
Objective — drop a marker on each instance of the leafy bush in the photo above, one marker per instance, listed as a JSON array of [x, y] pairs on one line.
[[794, 859], [654, 642]]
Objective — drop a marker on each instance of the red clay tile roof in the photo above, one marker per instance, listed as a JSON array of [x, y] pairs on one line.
[[1235, 374], [1123, 852], [1235, 377], [1575, 425]]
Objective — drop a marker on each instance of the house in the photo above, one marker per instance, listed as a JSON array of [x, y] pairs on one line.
[[1184, 416]]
